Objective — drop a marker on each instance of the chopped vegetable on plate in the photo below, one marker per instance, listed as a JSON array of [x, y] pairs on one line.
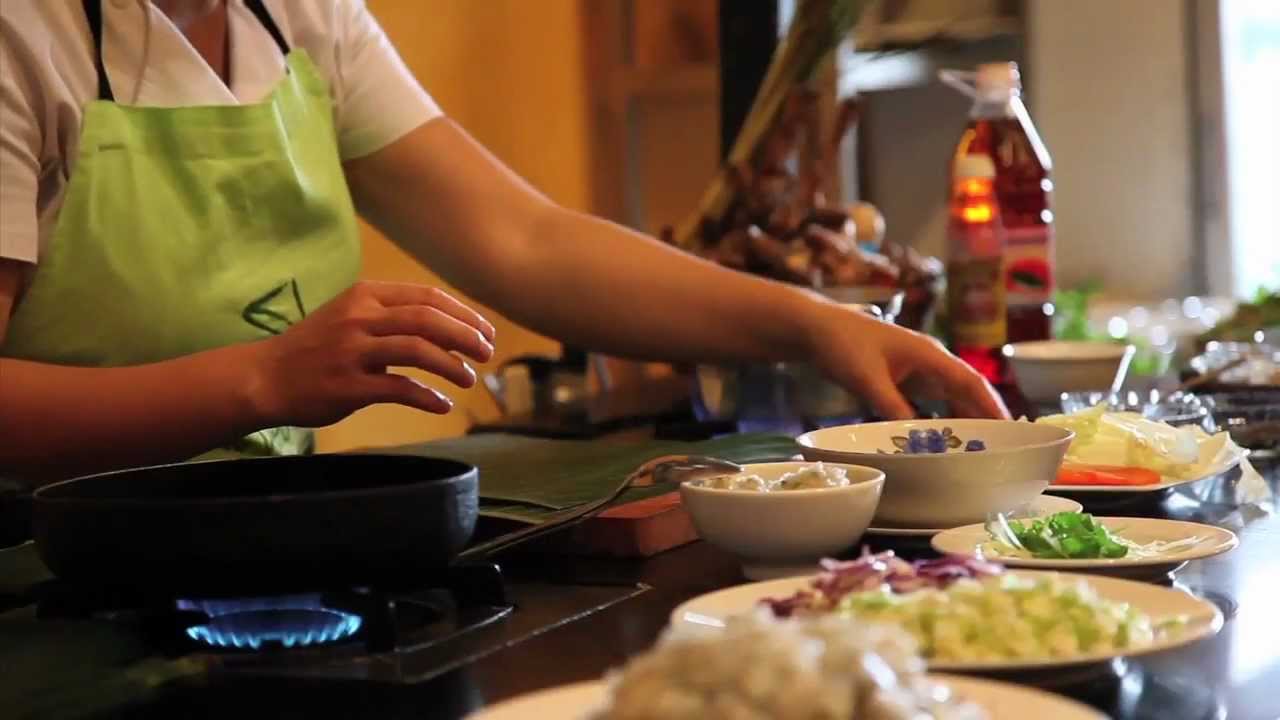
[[817, 668], [967, 610], [1069, 536], [870, 572], [1061, 535], [1115, 445], [1075, 474]]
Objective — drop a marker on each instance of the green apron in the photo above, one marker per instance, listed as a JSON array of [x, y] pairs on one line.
[[185, 229]]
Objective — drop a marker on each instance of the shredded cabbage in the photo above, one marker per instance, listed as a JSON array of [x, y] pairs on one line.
[[1128, 439]]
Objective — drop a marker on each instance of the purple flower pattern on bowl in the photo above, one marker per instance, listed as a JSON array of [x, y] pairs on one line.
[[933, 441]]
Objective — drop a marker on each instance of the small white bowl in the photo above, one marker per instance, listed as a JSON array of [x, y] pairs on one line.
[[785, 532], [1046, 369], [948, 489]]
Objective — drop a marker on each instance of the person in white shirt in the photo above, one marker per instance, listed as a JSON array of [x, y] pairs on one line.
[[179, 181]]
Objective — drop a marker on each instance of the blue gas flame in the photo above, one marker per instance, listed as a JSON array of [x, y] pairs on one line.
[[288, 620]]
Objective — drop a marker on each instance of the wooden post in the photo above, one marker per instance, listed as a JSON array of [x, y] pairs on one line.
[[748, 36]]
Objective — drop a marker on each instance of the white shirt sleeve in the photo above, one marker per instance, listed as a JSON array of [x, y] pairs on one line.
[[19, 156], [378, 99]]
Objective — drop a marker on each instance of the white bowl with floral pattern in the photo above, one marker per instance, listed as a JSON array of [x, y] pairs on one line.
[[959, 486]]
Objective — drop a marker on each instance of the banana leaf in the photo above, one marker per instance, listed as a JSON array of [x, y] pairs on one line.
[[525, 479]]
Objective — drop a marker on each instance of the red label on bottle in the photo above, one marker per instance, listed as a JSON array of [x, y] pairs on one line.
[[1029, 276], [976, 303]]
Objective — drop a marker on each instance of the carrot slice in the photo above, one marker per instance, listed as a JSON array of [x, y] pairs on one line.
[[1071, 474]]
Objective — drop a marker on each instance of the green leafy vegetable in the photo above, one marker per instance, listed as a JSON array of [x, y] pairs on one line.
[[1071, 313], [1071, 322], [1064, 535], [1261, 314]]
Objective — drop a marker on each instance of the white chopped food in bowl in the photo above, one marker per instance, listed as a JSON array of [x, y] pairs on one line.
[[750, 483], [810, 477], [813, 477], [763, 668]]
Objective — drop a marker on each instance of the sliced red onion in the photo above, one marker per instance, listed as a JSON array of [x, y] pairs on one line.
[[839, 578]]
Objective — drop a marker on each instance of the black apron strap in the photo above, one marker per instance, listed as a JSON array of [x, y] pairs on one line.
[[93, 13], [260, 11]]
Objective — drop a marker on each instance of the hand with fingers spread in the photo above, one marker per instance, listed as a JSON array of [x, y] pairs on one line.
[[874, 360], [335, 361]]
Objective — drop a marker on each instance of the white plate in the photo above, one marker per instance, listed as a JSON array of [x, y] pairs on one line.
[[1007, 701], [1224, 458], [708, 612], [1001, 700], [1041, 506], [968, 540]]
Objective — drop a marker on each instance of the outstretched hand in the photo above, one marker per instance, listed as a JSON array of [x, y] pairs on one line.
[[335, 361], [874, 360]]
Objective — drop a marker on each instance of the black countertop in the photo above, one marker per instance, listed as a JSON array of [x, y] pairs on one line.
[[1234, 674]]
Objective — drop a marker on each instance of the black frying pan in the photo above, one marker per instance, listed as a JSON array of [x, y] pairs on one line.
[[283, 523]]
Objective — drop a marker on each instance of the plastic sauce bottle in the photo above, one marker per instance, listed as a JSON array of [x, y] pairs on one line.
[[976, 308], [1000, 128]]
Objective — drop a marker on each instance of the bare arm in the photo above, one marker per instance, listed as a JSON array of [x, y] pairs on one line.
[[447, 201], [581, 279], [58, 421]]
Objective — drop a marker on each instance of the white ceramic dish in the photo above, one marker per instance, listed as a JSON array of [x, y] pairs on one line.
[[708, 613], [775, 534], [946, 490], [968, 540], [1046, 369], [1039, 507], [1223, 458], [1001, 700]]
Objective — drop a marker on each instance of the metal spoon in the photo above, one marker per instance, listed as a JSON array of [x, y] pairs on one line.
[[681, 468], [1122, 371], [668, 469]]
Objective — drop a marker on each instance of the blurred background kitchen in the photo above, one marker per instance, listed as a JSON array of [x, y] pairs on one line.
[[1161, 117]]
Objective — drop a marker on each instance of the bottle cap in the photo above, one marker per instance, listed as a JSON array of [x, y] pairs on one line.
[[974, 166], [998, 79]]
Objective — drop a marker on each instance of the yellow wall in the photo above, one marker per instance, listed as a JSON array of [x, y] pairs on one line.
[[512, 73]]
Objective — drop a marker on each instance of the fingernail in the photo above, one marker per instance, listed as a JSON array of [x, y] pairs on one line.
[[445, 399]]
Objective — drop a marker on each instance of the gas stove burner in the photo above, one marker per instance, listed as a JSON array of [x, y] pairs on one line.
[[404, 635], [250, 623]]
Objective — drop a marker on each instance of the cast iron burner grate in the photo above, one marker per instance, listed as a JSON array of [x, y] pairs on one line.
[[349, 622]]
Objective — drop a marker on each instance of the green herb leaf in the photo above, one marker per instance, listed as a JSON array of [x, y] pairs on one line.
[[1065, 535]]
